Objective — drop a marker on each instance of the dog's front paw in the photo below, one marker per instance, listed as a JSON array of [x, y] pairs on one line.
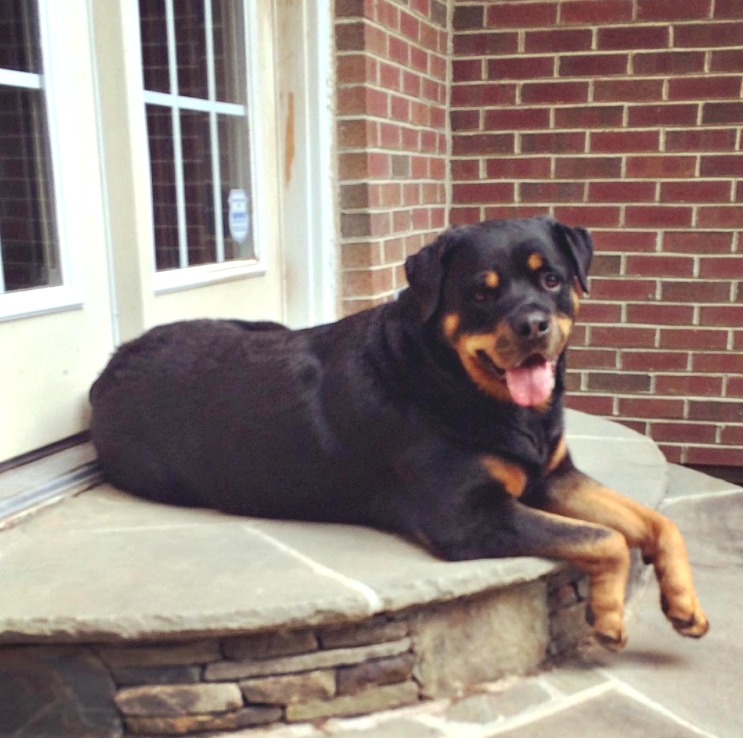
[[608, 630], [688, 620]]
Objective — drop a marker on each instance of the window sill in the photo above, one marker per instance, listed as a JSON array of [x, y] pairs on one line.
[[174, 280]]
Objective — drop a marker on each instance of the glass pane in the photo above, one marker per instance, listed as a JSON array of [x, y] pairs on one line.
[[19, 47], [229, 51], [235, 193], [164, 200], [27, 235], [199, 187], [190, 37], [154, 33]]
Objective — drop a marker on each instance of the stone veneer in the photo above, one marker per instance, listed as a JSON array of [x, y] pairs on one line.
[[230, 683]]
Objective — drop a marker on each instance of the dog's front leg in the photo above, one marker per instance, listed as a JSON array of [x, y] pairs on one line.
[[573, 494]]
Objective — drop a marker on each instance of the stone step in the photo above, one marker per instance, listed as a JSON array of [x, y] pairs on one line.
[[303, 621]]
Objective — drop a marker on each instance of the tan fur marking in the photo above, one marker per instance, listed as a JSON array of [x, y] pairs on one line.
[[510, 475], [535, 262], [576, 300], [451, 325], [467, 347], [492, 280], [577, 496], [558, 456]]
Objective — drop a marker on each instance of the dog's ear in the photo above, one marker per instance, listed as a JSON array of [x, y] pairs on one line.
[[425, 272], [577, 245]]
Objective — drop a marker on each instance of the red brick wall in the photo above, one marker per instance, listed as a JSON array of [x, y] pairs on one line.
[[623, 116], [392, 69]]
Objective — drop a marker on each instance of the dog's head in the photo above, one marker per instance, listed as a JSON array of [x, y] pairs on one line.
[[503, 295]]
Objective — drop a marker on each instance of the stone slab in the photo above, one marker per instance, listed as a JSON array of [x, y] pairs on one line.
[[105, 566]]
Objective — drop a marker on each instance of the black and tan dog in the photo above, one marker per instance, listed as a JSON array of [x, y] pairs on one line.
[[438, 416]]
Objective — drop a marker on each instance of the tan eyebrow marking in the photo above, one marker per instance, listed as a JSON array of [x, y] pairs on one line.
[[535, 262], [492, 280]]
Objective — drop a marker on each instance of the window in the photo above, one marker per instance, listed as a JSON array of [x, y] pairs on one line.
[[29, 252], [194, 76]]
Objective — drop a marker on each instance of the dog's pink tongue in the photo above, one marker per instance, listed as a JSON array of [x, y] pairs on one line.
[[531, 385]]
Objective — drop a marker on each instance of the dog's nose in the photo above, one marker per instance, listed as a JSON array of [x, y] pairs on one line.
[[533, 324]]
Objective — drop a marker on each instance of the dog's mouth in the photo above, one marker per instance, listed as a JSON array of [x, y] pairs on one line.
[[530, 382]]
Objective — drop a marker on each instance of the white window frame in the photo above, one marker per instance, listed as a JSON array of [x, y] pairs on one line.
[[68, 295], [185, 277]]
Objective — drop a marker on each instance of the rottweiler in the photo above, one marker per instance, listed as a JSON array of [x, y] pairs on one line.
[[438, 416]]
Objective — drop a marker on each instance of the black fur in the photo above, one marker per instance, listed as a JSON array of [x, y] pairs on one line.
[[370, 420]]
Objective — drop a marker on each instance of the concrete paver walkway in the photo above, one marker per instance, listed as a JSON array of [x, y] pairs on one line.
[[662, 685]]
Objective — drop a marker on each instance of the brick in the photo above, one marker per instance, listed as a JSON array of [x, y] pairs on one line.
[[595, 116], [714, 363], [621, 382], [703, 88], [553, 143], [518, 167], [595, 405], [731, 434], [697, 242], [634, 37], [699, 191], [502, 212], [695, 291], [661, 167], [482, 95], [728, 9], [520, 119], [622, 336], [659, 266], [554, 92], [467, 169], [624, 240], [588, 167], [688, 385], [722, 315], [683, 432], [624, 141], [468, 16], [721, 166], [465, 120], [714, 456], [551, 192], [668, 63], [589, 216], [520, 67], [728, 60], [485, 44], [698, 339], [730, 267], [483, 144], [632, 90], [670, 10], [720, 217], [557, 40], [467, 70], [593, 65], [589, 358], [592, 13], [350, 36], [658, 216], [722, 113], [707, 35], [486, 192], [654, 361], [623, 289], [701, 139], [719, 411], [179, 699], [358, 255], [662, 115], [621, 191], [606, 265], [660, 314], [646, 407], [502, 15]]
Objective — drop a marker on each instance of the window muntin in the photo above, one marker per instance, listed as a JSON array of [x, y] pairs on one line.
[[194, 75], [29, 249]]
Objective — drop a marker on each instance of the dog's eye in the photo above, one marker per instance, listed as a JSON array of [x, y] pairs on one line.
[[481, 294], [551, 281]]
